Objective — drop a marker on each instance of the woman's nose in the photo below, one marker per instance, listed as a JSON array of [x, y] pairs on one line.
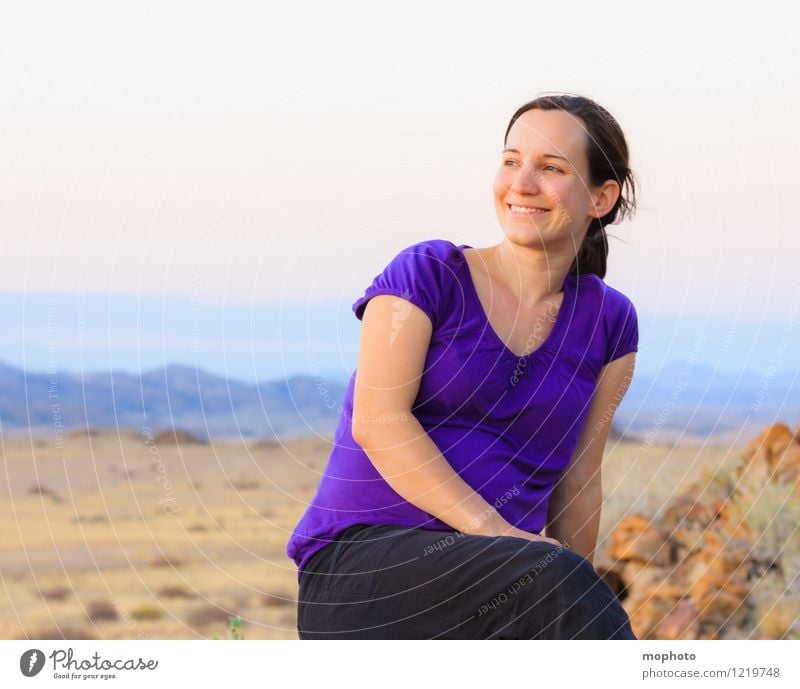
[[526, 180]]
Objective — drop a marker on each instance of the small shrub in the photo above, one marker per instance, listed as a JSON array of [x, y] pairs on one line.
[[102, 610], [175, 592], [44, 491], [246, 484], [56, 594], [147, 612], [162, 560], [207, 615], [234, 628], [274, 601], [63, 633]]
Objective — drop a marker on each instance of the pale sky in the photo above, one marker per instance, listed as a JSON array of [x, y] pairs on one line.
[[256, 155]]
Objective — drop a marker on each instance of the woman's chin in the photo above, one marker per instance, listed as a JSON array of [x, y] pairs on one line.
[[528, 235]]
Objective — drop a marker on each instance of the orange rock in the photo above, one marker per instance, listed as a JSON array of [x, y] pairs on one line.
[[787, 464], [613, 577], [770, 443], [708, 634], [732, 523], [636, 538], [689, 575], [719, 589], [650, 605], [679, 623], [751, 477], [688, 511], [676, 511], [725, 557], [635, 574], [687, 541]]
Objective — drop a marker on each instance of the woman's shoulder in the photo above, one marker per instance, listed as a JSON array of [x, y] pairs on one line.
[[435, 261], [440, 248], [599, 301], [610, 313], [617, 302], [420, 273], [593, 285]]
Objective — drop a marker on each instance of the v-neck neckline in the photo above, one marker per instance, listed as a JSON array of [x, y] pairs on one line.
[[561, 316]]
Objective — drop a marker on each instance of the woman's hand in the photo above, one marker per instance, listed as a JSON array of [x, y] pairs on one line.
[[494, 524], [527, 535]]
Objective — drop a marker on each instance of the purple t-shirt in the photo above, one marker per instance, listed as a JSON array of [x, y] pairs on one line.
[[507, 424]]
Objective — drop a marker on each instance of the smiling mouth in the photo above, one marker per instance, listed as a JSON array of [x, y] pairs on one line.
[[526, 210]]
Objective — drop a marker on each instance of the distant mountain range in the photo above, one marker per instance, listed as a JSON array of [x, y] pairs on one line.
[[696, 401], [177, 396], [682, 402]]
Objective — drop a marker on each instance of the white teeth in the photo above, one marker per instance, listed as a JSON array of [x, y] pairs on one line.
[[524, 209]]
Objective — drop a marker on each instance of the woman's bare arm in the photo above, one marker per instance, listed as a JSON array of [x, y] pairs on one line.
[[576, 501], [395, 337]]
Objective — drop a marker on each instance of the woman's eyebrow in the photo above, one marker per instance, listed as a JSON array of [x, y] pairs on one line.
[[544, 155]]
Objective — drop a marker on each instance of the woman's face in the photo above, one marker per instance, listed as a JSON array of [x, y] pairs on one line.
[[544, 170]]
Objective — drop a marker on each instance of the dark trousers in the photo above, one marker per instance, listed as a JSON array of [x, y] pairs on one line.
[[392, 582]]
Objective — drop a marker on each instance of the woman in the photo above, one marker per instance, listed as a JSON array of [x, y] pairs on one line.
[[477, 416]]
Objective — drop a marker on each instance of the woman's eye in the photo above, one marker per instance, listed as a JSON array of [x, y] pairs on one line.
[[509, 163]]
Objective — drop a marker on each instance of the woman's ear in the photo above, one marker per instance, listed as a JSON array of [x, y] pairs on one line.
[[604, 198]]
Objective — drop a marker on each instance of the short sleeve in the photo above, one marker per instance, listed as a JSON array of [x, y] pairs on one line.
[[415, 274], [623, 331]]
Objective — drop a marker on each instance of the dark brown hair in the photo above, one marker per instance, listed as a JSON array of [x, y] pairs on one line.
[[607, 153]]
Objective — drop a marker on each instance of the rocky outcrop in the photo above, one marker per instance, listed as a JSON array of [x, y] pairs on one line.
[[719, 561]]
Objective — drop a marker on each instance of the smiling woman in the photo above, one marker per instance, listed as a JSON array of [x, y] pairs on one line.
[[567, 158], [471, 423]]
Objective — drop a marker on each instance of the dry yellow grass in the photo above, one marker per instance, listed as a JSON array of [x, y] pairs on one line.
[[174, 539], [159, 536]]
